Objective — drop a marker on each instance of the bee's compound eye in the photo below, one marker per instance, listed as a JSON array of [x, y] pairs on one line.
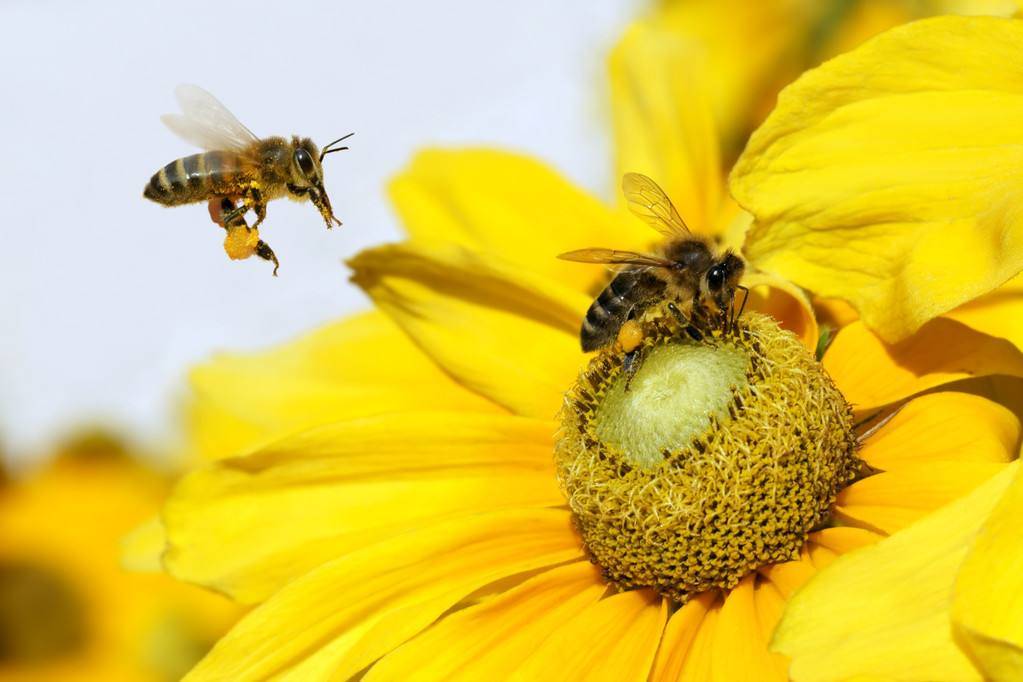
[[305, 162], [716, 277]]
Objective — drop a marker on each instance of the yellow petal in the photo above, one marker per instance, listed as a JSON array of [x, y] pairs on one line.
[[891, 180], [613, 639], [678, 637], [740, 647], [945, 426], [504, 333], [505, 205], [988, 605], [361, 366], [490, 641], [142, 549], [699, 661], [834, 312], [342, 616], [247, 525], [789, 576], [871, 373], [884, 610], [998, 313], [743, 66], [662, 121], [843, 539], [892, 500], [785, 302]]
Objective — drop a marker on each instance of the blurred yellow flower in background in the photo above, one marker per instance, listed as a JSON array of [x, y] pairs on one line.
[[389, 495], [68, 611]]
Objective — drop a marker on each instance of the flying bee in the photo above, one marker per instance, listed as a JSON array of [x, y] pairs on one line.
[[237, 165], [686, 268]]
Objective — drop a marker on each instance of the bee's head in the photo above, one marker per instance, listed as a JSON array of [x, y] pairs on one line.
[[307, 174], [306, 170], [725, 274]]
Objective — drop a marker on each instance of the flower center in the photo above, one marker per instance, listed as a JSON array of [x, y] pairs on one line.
[[718, 456]]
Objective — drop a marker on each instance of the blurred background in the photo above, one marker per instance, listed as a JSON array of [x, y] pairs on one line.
[[107, 298]]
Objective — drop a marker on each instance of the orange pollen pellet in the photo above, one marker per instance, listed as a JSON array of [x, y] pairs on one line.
[[630, 336]]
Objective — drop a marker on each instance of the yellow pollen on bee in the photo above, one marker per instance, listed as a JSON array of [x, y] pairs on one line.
[[240, 242], [630, 336]]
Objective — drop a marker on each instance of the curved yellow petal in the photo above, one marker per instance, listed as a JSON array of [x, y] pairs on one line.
[[506, 205], [741, 66], [248, 525], [740, 646], [663, 124], [342, 616], [361, 366], [944, 426], [988, 605], [506, 334], [871, 373], [998, 313], [614, 639], [785, 302], [894, 499], [889, 176], [699, 661], [142, 549], [678, 637], [491, 640], [789, 576], [883, 611]]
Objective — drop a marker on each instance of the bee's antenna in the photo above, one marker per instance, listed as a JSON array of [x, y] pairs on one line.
[[330, 147]]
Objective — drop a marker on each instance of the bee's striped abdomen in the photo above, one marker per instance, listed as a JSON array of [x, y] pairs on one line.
[[629, 290], [194, 178]]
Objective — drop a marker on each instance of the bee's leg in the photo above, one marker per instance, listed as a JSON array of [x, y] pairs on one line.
[[677, 313], [264, 251], [255, 200], [694, 333], [252, 198], [742, 306]]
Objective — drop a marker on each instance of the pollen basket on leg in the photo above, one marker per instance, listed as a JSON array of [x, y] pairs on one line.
[[716, 458]]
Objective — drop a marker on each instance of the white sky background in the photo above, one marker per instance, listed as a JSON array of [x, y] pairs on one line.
[[106, 299]]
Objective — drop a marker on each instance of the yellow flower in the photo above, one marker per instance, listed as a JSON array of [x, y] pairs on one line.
[[411, 524], [904, 171], [67, 609]]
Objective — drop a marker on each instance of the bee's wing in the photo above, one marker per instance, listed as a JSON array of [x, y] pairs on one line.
[[615, 257], [649, 202], [206, 122]]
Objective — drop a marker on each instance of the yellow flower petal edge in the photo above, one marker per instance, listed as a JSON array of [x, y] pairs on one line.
[[785, 302], [248, 525], [340, 617], [890, 176], [142, 548], [988, 605], [941, 427], [503, 332], [360, 366], [614, 639], [508, 205], [491, 639], [885, 610], [999, 313], [663, 125], [942, 351]]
